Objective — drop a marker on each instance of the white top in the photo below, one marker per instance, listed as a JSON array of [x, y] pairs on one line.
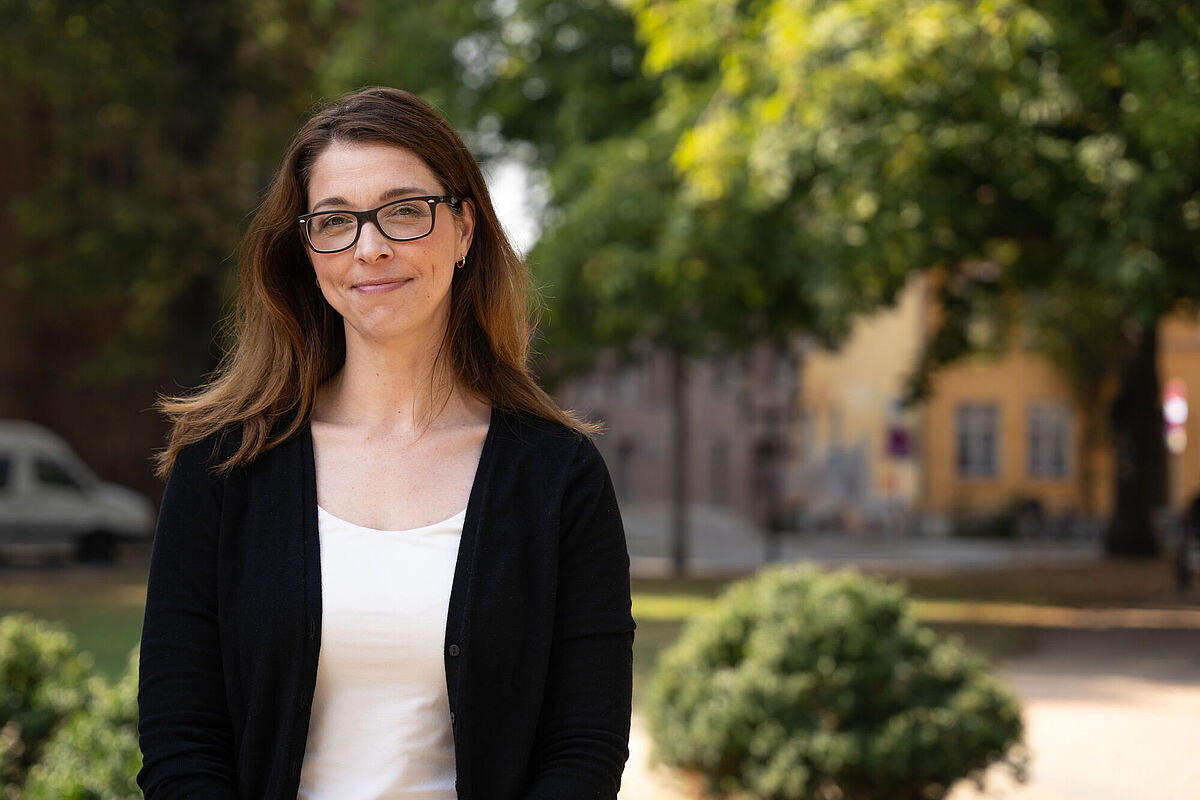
[[380, 725]]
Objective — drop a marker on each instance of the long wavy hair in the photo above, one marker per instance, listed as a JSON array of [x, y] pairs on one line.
[[287, 340]]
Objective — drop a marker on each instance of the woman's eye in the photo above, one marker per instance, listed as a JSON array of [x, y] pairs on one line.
[[404, 210], [333, 222]]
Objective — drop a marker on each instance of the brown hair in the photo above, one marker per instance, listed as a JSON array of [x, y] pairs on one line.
[[287, 340]]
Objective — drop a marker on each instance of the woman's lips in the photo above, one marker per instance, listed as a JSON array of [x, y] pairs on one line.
[[380, 287]]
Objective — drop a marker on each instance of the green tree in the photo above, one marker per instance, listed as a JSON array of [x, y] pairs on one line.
[[403, 44], [525, 78], [1029, 150], [140, 135], [628, 266], [624, 264]]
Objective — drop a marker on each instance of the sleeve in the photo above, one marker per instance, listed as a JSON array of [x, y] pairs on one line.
[[583, 731], [184, 727]]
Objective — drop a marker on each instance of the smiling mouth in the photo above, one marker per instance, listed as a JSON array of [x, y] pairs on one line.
[[372, 287]]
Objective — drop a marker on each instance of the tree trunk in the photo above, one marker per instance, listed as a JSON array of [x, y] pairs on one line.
[[1089, 438], [679, 464], [1140, 453]]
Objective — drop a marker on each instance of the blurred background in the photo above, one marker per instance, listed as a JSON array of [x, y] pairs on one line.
[[903, 285]]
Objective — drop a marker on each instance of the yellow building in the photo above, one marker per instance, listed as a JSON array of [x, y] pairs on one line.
[[1002, 431], [858, 459], [994, 435]]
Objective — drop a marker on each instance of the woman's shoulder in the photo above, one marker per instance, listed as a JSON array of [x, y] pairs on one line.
[[208, 453], [525, 437], [522, 427], [545, 457], [212, 453]]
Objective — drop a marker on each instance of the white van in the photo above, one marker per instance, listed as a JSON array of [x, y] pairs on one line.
[[51, 504]]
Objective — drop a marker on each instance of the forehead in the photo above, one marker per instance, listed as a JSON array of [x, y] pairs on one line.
[[362, 172]]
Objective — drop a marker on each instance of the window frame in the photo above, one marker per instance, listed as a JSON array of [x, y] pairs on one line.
[[1054, 417], [972, 442]]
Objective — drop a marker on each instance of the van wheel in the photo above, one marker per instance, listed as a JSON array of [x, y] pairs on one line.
[[97, 547]]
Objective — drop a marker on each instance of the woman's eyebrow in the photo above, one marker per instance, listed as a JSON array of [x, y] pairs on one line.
[[390, 194], [330, 201], [403, 191]]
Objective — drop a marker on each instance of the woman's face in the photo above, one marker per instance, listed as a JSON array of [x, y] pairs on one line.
[[386, 290]]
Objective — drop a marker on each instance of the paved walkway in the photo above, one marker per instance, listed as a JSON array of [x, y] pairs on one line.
[[1110, 715], [644, 780], [1111, 699], [721, 543]]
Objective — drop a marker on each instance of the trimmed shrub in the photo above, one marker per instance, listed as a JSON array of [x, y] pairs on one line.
[[94, 754], [65, 734], [43, 680], [809, 686]]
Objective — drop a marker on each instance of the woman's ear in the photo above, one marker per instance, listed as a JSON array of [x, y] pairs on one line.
[[466, 226]]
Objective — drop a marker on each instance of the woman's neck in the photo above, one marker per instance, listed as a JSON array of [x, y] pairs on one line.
[[393, 389]]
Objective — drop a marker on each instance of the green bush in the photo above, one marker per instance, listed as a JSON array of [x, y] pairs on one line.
[[65, 734], [43, 680], [807, 686], [94, 754]]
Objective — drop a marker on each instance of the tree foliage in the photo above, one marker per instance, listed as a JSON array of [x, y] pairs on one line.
[[1023, 150], [1041, 138], [144, 133]]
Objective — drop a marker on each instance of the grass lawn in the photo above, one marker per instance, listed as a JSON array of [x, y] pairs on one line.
[[948, 603], [1110, 583], [102, 606], [663, 607]]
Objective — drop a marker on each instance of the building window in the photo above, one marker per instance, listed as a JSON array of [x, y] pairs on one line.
[[977, 440], [1049, 440]]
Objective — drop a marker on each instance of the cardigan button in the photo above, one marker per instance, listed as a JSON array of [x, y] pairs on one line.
[[453, 650], [451, 717]]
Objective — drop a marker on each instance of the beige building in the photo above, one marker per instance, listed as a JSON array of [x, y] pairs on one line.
[[738, 429]]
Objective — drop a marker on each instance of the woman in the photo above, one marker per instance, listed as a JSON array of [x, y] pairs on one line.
[[387, 565]]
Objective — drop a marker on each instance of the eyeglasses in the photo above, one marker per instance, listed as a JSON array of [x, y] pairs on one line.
[[399, 220]]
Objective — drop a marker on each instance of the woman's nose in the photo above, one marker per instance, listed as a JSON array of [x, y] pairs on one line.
[[372, 245]]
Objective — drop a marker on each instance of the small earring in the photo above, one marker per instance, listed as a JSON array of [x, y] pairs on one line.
[[462, 262]]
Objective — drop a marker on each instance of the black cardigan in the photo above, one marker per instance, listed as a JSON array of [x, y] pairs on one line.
[[538, 637]]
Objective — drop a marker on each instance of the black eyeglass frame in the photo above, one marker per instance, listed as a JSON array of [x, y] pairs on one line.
[[372, 215]]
